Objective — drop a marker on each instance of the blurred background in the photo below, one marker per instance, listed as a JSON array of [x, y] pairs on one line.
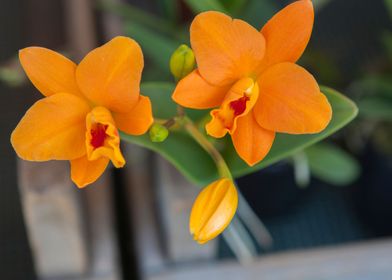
[[327, 210]]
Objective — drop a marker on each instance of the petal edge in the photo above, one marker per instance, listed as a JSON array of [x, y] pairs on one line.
[[291, 102], [49, 71], [226, 49], [110, 75], [251, 141], [62, 138], [288, 32], [138, 120], [85, 172], [194, 92]]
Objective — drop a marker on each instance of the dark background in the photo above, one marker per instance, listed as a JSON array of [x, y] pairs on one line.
[[347, 31]]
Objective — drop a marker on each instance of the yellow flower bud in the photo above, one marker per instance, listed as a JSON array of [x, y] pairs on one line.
[[182, 62], [158, 133], [213, 210]]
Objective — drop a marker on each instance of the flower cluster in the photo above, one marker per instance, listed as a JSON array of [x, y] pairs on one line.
[[249, 79]]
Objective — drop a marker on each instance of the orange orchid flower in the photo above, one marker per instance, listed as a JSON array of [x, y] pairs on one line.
[[252, 78], [83, 108]]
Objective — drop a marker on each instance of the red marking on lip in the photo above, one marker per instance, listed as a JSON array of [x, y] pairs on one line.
[[98, 135], [239, 105]]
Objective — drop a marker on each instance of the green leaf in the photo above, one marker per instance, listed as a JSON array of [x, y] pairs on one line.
[[344, 111], [199, 6], [163, 106], [258, 12], [388, 4], [170, 9], [156, 47], [376, 108], [234, 6], [331, 164], [380, 86], [387, 42], [160, 95], [374, 97], [12, 77], [185, 154], [136, 15]]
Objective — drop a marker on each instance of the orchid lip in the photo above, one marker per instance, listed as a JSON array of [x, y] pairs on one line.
[[98, 135], [239, 105]]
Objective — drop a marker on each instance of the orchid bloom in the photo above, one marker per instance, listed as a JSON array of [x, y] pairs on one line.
[[252, 79], [84, 107]]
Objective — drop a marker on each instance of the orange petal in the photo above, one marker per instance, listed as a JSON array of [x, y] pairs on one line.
[[194, 92], [49, 71], [110, 75], [102, 138], [251, 141], [288, 32], [290, 101], [226, 49], [53, 128], [238, 102], [84, 171], [138, 120]]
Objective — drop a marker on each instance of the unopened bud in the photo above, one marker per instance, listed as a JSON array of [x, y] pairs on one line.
[[213, 210], [182, 62], [158, 133]]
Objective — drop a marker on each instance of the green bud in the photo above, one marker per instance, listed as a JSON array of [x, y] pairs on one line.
[[182, 62], [158, 133]]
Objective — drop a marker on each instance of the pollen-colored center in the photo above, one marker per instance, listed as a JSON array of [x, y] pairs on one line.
[[239, 105], [98, 135]]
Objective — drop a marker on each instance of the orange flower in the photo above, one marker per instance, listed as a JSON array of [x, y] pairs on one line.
[[252, 78], [83, 107]]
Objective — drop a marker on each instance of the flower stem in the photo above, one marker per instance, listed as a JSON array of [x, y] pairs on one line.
[[223, 169], [169, 123], [180, 111], [255, 225]]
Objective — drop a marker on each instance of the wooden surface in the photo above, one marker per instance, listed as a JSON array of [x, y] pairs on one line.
[[176, 197], [71, 231], [53, 218], [363, 261], [160, 201], [142, 207]]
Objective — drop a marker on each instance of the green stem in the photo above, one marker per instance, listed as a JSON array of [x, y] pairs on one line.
[[180, 111], [301, 169], [236, 235], [169, 123], [254, 224], [223, 169]]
